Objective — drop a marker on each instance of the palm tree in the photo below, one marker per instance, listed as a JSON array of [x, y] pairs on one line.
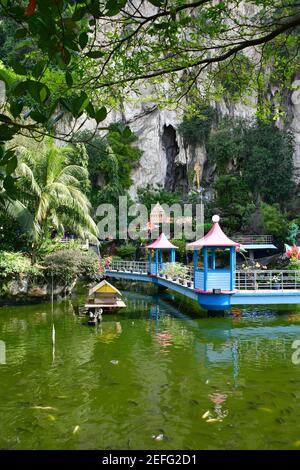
[[16, 210], [51, 191]]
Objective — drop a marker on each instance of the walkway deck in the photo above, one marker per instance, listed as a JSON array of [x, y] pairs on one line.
[[252, 287]]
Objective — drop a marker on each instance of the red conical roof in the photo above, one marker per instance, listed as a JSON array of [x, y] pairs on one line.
[[162, 243], [215, 237]]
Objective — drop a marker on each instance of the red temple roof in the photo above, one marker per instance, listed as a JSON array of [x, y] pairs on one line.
[[162, 243], [215, 237]]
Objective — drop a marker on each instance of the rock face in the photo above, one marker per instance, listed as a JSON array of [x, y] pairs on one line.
[[21, 289], [165, 160], [295, 127]]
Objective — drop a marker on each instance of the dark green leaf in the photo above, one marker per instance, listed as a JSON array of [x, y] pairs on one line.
[[7, 132], [83, 39], [6, 156], [79, 103], [69, 79], [95, 54], [114, 6], [157, 3], [66, 56], [38, 117], [101, 114], [18, 67], [9, 185], [16, 108], [66, 104], [79, 13], [90, 110], [21, 33], [39, 91], [4, 118], [11, 165], [38, 69]]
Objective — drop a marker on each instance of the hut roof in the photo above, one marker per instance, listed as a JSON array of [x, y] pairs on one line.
[[162, 243], [104, 287], [215, 237]]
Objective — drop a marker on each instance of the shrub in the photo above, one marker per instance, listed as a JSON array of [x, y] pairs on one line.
[[16, 264], [67, 265], [227, 143], [52, 246], [175, 270], [268, 162], [196, 129], [126, 250], [293, 231], [274, 221]]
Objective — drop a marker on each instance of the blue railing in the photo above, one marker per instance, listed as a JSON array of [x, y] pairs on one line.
[[220, 278]]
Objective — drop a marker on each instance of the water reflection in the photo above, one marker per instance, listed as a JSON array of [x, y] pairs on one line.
[[149, 371], [109, 331]]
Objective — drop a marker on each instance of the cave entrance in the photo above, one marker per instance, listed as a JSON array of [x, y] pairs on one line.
[[176, 176]]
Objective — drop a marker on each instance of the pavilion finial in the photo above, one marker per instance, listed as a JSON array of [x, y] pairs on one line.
[[215, 218]]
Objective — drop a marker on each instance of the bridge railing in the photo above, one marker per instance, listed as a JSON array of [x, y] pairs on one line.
[[253, 239], [268, 280], [245, 280], [140, 267]]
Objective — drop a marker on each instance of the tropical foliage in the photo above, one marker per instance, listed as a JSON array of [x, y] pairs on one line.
[[62, 61], [110, 161], [195, 129], [274, 221], [15, 264], [50, 187], [126, 251], [67, 265]]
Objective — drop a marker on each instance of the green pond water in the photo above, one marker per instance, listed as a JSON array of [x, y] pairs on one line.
[[146, 372]]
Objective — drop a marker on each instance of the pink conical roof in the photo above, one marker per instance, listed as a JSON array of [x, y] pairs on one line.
[[162, 243], [215, 237]]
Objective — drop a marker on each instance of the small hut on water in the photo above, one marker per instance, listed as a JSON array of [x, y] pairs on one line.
[[104, 295]]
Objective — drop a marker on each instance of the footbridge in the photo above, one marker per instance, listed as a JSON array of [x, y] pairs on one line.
[[251, 287], [213, 286]]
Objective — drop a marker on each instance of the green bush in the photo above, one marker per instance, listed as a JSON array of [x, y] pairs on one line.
[[67, 265], [260, 154], [16, 264], [293, 231], [52, 246], [227, 143], [268, 162], [294, 264], [196, 129], [12, 237], [274, 221], [126, 250]]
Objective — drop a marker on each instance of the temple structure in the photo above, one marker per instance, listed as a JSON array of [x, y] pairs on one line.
[[159, 246]]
